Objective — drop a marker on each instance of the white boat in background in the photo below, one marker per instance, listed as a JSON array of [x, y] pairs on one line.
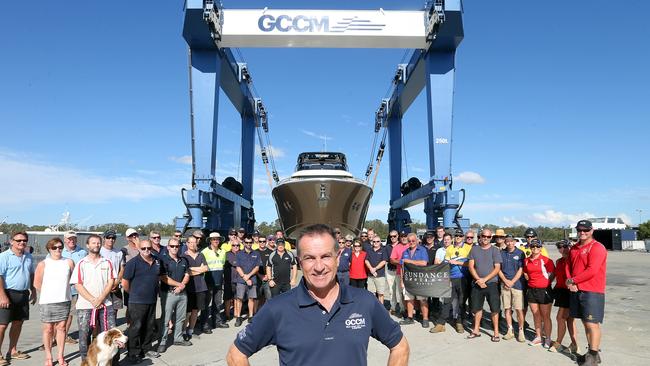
[[322, 191], [608, 223]]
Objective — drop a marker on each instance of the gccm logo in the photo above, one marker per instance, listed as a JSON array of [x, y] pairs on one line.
[[300, 23], [355, 322]]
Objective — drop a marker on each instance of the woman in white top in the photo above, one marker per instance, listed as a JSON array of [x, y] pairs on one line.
[[52, 280]]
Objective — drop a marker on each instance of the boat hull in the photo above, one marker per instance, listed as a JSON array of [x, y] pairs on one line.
[[339, 203]]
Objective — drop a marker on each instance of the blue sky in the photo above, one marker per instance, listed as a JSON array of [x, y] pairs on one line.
[[551, 111]]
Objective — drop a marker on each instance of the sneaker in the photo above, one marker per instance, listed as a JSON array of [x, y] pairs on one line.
[[162, 348], [222, 325], [406, 321], [238, 322], [69, 340], [509, 335], [439, 328], [183, 343], [425, 323], [459, 328], [152, 354], [535, 342], [206, 330], [250, 319], [573, 348], [547, 343], [521, 337]]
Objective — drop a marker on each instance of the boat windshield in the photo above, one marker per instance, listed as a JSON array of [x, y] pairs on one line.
[[321, 160]]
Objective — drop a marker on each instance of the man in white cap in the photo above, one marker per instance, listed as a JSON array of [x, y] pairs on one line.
[[75, 253]]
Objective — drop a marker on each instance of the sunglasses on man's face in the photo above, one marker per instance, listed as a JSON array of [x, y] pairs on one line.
[[584, 230], [562, 246], [57, 247], [535, 246], [174, 246]]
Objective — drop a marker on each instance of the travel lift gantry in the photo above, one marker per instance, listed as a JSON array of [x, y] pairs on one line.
[[210, 30]]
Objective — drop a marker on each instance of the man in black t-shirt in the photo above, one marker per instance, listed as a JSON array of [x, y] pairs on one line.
[[281, 270], [263, 289]]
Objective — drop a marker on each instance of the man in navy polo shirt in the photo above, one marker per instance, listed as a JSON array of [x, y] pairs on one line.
[[415, 255], [376, 260], [140, 280], [344, 259], [320, 322], [248, 264]]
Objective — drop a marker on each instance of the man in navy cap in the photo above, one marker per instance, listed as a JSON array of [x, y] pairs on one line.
[[320, 322]]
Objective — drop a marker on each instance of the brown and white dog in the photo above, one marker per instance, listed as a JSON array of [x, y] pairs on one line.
[[104, 347]]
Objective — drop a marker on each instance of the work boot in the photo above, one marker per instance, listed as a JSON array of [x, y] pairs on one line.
[[582, 359], [459, 328], [425, 323], [509, 335], [238, 322], [439, 328], [590, 360], [406, 321]]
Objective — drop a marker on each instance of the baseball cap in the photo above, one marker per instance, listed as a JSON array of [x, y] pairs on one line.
[[197, 233], [458, 232], [241, 230], [536, 242], [510, 236], [70, 234], [130, 232], [584, 224], [215, 235], [500, 232], [232, 231], [280, 242], [256, 232], [430, 233], [110, 234], [403, 233], [349, 237]]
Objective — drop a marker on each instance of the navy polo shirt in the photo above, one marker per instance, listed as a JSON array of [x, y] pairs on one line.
[[143, 280], [344, 260], [374, 257], [511, 264], [307, 334], [247, 262], [176, 270], [420, 254]]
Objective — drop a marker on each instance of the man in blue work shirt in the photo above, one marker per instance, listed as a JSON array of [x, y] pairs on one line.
[[248, 264], [416, 255], [344, 259], [72, 251], [320, 322], [16, 292]]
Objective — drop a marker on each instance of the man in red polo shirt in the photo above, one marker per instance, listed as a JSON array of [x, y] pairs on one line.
[[586, 273]]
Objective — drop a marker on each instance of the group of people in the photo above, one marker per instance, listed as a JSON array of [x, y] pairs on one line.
[[511, 278], [195, 280], [191, 280]]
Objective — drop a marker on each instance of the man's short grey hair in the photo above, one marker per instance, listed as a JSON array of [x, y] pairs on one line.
[[173, 240], [154, 232], [317, 230]]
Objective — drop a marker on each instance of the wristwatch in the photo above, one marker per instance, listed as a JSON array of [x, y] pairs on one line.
[[570, 282]]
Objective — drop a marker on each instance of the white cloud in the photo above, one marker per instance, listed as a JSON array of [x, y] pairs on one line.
[[31, 182], [185, 159], [315, 135], [277, 152], [557, 218], [512, 221], [470, 178]]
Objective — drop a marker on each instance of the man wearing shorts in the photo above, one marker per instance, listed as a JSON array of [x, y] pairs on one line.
[[415, 255], [484, 266], [72, 251], [375, 262], [248, 264], [197, 289], [16, 292], [512, 297], [586, 275], [116, 257]]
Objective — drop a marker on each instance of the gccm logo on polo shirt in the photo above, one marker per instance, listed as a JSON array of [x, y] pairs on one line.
[[355, 321]]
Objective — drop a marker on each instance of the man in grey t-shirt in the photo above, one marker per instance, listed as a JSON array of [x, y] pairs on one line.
[[484, 265]]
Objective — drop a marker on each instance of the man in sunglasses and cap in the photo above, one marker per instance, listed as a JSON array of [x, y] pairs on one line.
[[586, 277], [456, 255], [116, 257]]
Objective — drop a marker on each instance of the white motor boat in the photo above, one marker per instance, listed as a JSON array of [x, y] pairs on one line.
[[322, 191]]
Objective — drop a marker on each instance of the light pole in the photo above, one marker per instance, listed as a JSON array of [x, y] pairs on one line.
[[640, 211]]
